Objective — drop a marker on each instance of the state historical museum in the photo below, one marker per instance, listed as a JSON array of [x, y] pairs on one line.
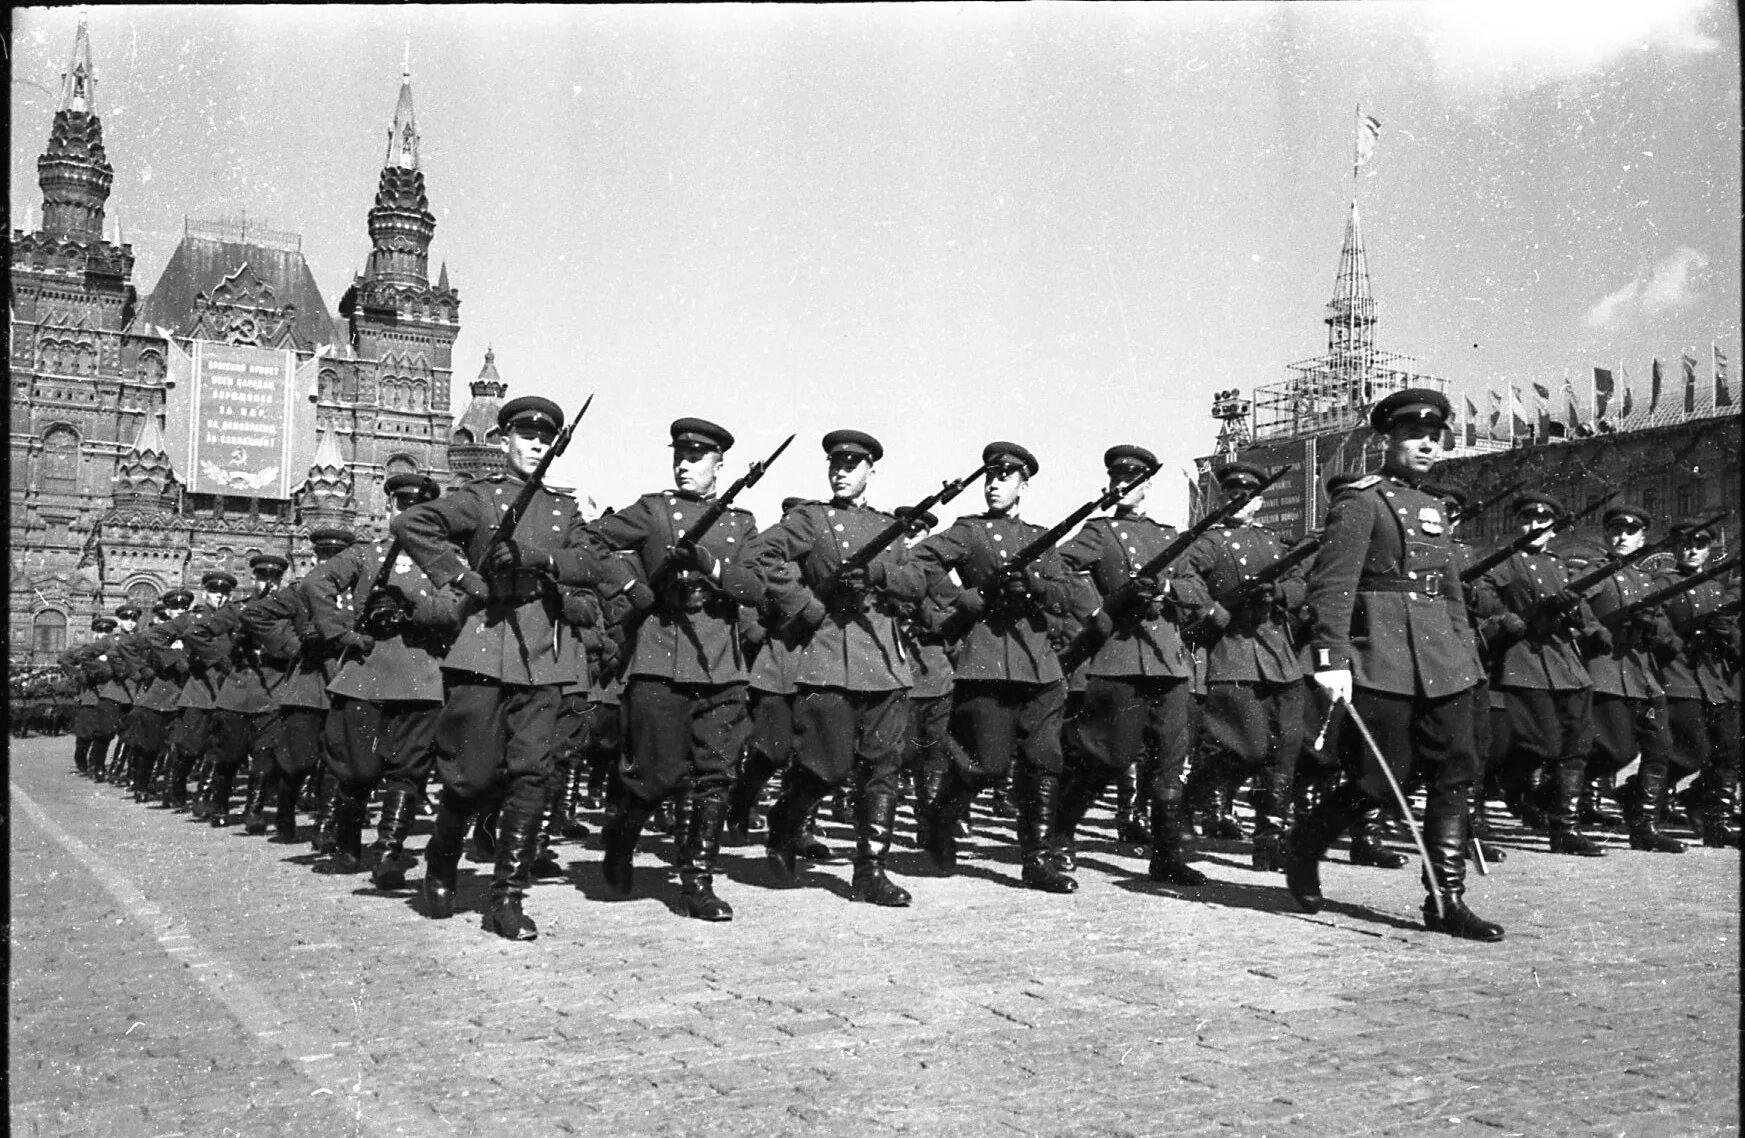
[[228, 411]]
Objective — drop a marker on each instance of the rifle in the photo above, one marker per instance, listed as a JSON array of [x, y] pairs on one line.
[[1553, 610], [662, 573], [1666, 593], [1478, 511], [518, 508], [1119, 603], [884, 539], [1490, 561]]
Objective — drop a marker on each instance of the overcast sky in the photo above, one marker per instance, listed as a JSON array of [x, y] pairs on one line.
[[1062, 224]]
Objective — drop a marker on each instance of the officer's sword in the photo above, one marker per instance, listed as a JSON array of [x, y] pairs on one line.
[[1405, 807]]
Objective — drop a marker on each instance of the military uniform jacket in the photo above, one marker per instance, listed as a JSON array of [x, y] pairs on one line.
[[1700, 671], [276, 622], [516, 641], [406, 665], [700, 647], [1384, 589], [1532, 662], [858, 651], [1110, 550], [86, 670], [921, 624], [248, 686], [1626, 669], [774, 665], [1255, 645], [123, 663], [998, 646], [160, 692], [207, 655]]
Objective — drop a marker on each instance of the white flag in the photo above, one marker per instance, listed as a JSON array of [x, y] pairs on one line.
[[1368, 130]]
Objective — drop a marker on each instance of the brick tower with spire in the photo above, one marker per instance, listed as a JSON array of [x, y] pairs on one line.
[[472, 449]]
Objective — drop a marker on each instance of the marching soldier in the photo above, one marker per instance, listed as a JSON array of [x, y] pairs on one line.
[[1384, 643], [121, 660], [1139, 685], [930, 749], [386, 691], [1253, 719], [1629, 705], [685, 704], [1538, 668], [92, 725], [1702, 689], [245, 720], [851, 711], [202, 672], [155, 710], [507, 666], [1009, 693]]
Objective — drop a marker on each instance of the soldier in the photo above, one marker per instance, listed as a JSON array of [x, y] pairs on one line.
[[1629, 705], [1702, 690], [154, 710], [1538, 668], [284, 626], [1253, 718], [685, 711], [930, 749], [386, 691], [1384, 642], [1139, 685], [122, 661], [851, 708], [245, 719], [1009, 693], [507, 665], [92, 725], [202, 672]]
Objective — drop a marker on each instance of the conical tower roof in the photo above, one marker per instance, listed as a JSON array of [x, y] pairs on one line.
[[144, 477]]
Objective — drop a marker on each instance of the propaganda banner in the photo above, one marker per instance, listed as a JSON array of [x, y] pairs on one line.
[[240, 427]]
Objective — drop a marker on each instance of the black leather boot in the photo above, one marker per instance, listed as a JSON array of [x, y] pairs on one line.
[[285, 809], [1000, 802], [326, 837], [254, 806], [1562, 817], [742, 797], [1445, 841], [1717, 812], [442, 856], [398, 807], [1079, 792], [702, 845], [574, 827], [1036, 815], [801, 793], [1130, 808], [927, 786], [218, 796], [82, 756], [1644, 829], [1167, 863], [176, 793], [1307, 842], [1272, 796], [955, 794], [545, 862], [1366, 845], [517, 844], [1218, 820], [348, 836], [875, 817], [810, 845], [841, 812], [1590, 808], [618, 841], [94, 758]]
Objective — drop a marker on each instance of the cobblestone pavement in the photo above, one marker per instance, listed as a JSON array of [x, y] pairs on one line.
[[171, 979]]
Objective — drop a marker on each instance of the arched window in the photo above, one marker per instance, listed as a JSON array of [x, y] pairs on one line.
[[327, 385], [400, 464], [143, 595], [60, 461], [151, 368], [48, 632]]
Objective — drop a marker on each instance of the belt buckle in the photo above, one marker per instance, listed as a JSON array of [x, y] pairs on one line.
[[1432, 584]]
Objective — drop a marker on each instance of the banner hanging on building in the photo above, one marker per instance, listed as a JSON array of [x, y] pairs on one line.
[[240, 427]]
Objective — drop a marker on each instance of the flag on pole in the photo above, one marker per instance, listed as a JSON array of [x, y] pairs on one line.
[[1604, 387], [1471, 424], [1723, 397], [1518, 427], [1654, 382], [1690, 381], [1572, 412], [1368, 130], [1496, 402], [1542, 393], [1629, 403]]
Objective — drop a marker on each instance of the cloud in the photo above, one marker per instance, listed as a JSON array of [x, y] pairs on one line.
[[1670, 284], [1605, 312], [1523, 43]]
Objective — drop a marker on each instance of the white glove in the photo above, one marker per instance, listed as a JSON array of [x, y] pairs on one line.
[[1336, 683]]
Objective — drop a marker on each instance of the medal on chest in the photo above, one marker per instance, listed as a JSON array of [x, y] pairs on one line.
[[1430, 520]]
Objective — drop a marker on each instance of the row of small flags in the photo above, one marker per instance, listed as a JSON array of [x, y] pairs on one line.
[[1610, 410]]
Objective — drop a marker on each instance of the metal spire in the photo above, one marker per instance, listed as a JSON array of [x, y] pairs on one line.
[[79, 80], [403, 135], [1351, 313]]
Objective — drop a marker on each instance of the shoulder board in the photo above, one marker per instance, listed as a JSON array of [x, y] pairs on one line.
[[499, 476], [1365, 482]]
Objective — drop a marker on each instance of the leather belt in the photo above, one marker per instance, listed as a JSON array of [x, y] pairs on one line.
[[1429, 584]]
